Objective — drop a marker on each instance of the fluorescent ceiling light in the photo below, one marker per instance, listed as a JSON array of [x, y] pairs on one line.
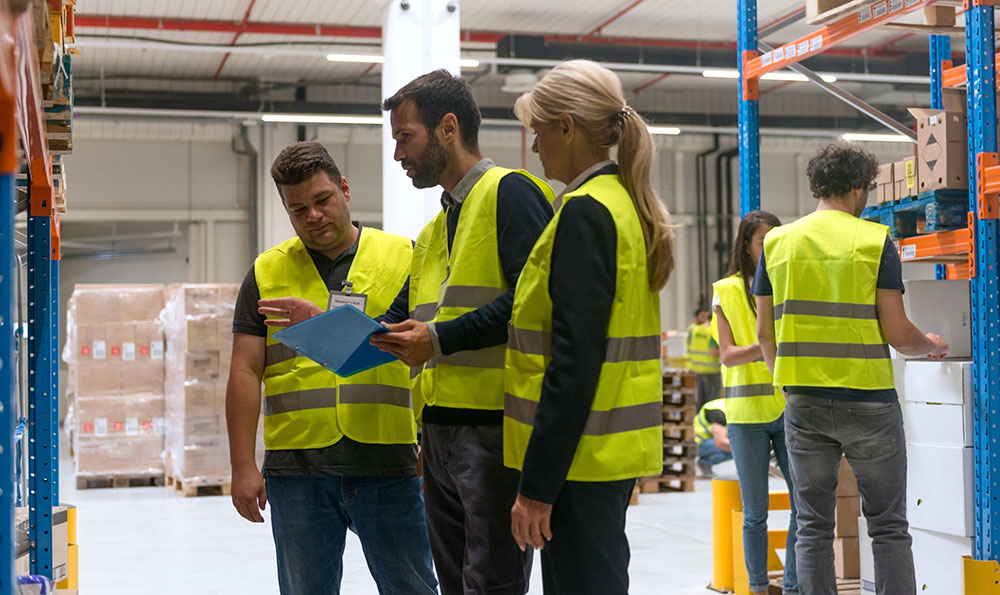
[[319, 119], [782, 75], [670, 130], [376, 59], [876, 138]]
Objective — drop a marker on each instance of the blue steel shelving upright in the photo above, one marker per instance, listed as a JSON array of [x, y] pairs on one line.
[[985, 283]]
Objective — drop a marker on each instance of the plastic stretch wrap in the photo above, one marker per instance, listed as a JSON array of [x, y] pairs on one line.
[[115, 352], [198, 321]]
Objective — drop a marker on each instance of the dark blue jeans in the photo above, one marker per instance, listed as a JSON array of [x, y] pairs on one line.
[[870, 435], [710, 454], [310, 517], [752, 444]]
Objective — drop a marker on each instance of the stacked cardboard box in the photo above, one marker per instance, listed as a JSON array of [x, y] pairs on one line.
[[846, 555], [198, 322], [115, 350]]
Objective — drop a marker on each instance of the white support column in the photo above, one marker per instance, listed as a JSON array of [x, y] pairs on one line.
[[682, 297], [272, 220], [418, 36]]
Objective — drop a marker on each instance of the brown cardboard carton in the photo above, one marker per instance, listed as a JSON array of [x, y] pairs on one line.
[[847, 484], [118, 335], [227, 299], [129, 454], [899, 180], [847, 557], [883, 183], [201, 334], [96, 378], [200, 399], [200, 299], [140, 302], [224, 332], [88, 339], [941, 149], [146, 334], [848, 511], [98, 418], [144, 376], [939, 16], [94, 305], [905, 178], [201, 366]]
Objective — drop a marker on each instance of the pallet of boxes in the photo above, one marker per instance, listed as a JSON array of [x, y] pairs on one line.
[[198, 321], [679, 448], [115, 352]]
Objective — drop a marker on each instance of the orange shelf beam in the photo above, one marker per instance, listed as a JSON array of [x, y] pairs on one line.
[[856, 23], [958, 270], [951, 246], [956, 76], [8, 123]]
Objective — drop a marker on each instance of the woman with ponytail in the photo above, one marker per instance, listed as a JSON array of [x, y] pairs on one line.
[[754, 407], [583, 408]]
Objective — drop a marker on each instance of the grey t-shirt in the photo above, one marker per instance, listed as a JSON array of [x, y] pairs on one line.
[[346, 457]]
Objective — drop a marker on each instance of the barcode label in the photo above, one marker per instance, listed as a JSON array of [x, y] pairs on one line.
[[131, 426], [100, 350], [156, 350], [908, 251], [128, 352], [100, 426]]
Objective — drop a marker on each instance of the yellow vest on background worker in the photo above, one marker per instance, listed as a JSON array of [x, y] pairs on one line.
[[444, 285], [623, 436], [703, 427], [749, 388], [306, 405], [699, 357], [824, 271]]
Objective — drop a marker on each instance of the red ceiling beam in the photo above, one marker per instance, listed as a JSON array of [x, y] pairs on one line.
[[615, 17], [236, 36], [650, 83]]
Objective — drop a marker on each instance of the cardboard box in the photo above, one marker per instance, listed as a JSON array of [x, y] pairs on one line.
[[939, 16], [201, 334], [941, 149], [94, 305], [884, 188], [899, 180], [140, 302], [146, 334], [89, 338], [938, 424], [938, 402], [847, 484], [907, 178], [847, 513], [937, 381], [143, 377], [201, 366], [847, 557], [867, 558], [939, 489], [98, 418], [95, 378], [200, 299], [130, 454], [937, 561], [924, 302], [200, 398]]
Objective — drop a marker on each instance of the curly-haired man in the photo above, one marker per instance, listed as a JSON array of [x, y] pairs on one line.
[[829, 303]]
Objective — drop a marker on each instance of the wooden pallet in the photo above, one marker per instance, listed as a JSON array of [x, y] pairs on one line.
[[680, 414], [929, 212], [652, 485], [195, 487], [675, 467], [677, 432], [118, 480], [680, 395], [684, 449], [678, 378]]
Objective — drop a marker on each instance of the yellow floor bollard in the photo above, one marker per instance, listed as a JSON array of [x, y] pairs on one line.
[[980, 577], [725, 499]]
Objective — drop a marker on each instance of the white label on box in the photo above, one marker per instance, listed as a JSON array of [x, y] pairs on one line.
[[803, 47], [128, 352], [131, 426], [907, 251], [100, 426], [159, 426], [156, 350], [934, 120], [815, 43], [100, 350]]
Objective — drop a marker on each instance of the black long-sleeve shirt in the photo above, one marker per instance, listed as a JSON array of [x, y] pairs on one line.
[[522, 214], [582, 289]]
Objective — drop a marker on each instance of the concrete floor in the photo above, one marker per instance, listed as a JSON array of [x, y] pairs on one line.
[[153, 541]]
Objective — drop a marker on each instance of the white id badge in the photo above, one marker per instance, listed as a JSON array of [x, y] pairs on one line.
[[340, 298]]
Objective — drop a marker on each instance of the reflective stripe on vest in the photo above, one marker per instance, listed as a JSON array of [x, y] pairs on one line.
[[824, 271], [446, 284], [623, 435], [749, 388], [307, 406], [698, 355]]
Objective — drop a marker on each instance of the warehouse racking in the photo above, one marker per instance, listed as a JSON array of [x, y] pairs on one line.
[[979, 241]]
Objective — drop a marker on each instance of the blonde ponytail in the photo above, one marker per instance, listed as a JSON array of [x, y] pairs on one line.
[[593, 96]]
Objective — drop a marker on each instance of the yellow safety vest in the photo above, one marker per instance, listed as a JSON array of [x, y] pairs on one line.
[[699, 359], [623, 436], [444, 285], [703, 427], [824, 270], [307, 406], [749, 388]]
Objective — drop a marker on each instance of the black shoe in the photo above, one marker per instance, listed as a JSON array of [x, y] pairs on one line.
[[706, 470]]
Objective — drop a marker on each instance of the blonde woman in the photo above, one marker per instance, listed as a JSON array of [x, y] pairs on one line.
[[583, 408]]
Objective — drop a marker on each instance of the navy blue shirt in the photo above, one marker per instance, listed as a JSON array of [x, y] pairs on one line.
[[890, 276]]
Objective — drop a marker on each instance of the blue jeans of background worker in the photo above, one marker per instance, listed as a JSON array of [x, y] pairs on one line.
[[751, 445], [310, 517], [712, 455], [870, 435]]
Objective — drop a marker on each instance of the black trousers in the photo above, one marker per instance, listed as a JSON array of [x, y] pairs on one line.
[[589, 551], [468, 495]]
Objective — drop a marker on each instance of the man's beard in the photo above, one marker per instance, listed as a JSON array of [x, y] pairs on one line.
[[432, 163]]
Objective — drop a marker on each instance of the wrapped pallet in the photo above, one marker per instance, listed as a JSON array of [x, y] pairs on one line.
[[115, 353], [198, 322]]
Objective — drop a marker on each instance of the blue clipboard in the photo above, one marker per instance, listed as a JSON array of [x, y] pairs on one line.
[[338, 340]]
